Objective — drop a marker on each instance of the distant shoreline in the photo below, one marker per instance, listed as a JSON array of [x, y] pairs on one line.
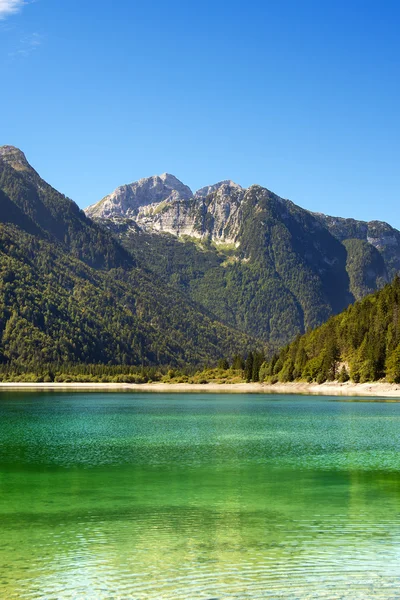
[[386, 390]]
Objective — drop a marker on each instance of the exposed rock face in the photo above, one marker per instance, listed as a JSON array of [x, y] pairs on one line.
[[164, 204], [217, 215], [126, 200], [228, 185]]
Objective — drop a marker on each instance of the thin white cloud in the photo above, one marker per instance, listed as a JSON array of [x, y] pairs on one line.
[[9, 7], [27, 45]]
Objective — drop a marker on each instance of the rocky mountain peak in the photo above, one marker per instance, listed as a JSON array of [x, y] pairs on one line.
[[14, 157], [171, 181], [227, 186], [126, 200]]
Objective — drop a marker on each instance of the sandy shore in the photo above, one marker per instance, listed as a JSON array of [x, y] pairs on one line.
[[383, 390]]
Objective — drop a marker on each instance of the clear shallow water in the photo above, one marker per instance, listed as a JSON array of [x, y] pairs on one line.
[[198, 496]]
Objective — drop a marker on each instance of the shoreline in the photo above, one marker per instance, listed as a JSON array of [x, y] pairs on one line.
[[385, 390]]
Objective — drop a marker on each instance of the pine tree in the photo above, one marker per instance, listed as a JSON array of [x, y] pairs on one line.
[[258, 359], [248, 370], [393, 366], [343, 375], [223, 364], [238, 364]]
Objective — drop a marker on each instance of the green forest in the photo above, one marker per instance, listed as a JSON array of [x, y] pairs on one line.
[[361, 344]]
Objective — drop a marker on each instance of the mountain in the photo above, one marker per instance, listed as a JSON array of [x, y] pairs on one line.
[[71, 293], [258, 262], [34, 206], [127, 199], [363, 343], [156, 274]]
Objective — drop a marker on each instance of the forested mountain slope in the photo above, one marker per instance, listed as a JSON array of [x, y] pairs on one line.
[[282, 277], [260, 263], [363, 343], [71, 293], [377, 234], [33, 205]]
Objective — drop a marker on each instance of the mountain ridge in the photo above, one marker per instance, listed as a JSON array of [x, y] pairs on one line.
[[356, 228], [316, 264], [71, 293], [247, 259]]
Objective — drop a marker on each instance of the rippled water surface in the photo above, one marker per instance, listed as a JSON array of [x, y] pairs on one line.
[[198, 497]]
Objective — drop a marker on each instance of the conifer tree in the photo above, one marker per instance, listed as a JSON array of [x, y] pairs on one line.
[[248, 370]]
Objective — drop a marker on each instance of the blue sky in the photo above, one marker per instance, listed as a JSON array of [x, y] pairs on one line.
[[299, 96]]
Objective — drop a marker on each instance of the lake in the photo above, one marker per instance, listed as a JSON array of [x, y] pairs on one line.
[[198, 496]]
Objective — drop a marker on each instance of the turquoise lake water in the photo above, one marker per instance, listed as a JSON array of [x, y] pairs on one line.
[[212, 496]]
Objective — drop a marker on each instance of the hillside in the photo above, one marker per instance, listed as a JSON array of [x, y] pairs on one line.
[[70, 293], [362, 343], [35, 207], [260, 263]]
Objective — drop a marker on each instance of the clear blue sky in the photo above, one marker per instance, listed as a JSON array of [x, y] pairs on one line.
[[299, 96]]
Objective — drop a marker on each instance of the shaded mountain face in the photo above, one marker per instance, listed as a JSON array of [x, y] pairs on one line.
[[381, 236], [71, 293], [34, 206], [258, 262]]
